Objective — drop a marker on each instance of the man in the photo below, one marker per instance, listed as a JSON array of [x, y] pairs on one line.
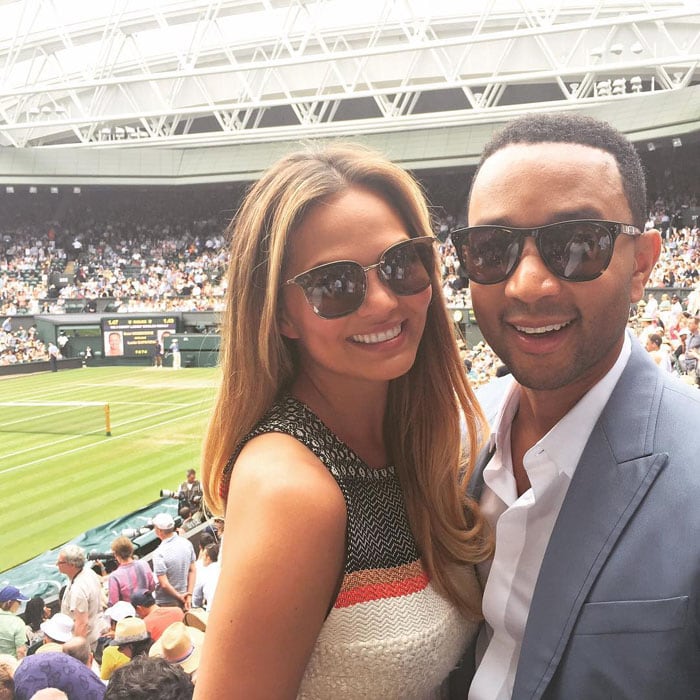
[[62, 342], [158, 354], [155, 617], [82, 599], [190, 492], [175, 350], [173, 564], [206, 583], [149, 677], [591, 479], [54, 354], [692, 349]]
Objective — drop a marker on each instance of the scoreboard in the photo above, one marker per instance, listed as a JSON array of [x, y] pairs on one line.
[[136, 336]]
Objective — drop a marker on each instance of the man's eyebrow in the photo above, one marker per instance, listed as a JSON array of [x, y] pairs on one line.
[[554, 218]]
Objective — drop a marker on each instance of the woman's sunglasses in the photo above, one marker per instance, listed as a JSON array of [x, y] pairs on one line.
[[338, 288], [575, 251]]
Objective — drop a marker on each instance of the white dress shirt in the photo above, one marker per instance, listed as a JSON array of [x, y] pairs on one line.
[[523, 526]]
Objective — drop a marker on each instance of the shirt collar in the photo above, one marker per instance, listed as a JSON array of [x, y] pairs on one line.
[[565, 442]]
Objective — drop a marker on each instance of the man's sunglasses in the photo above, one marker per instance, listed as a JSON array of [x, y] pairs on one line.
[[338, 288], [575, 251]]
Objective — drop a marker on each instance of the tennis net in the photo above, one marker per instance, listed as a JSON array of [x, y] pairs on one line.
[[56, 417]]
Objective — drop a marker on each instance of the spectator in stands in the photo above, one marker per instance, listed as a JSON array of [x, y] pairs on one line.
[[692, 349], [173, 564], [205, 586], [35, 612], [108, 656], [60, 671], [148, 678], [131, 637], [181, 645], [82, 599], [58, 629], [8, 664], [654, 346], [155, 617], [79, 649], [50, 694], [131, 574], [13, 636]]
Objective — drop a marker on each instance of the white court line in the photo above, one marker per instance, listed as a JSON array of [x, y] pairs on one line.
[[90, 447], [119, 424]]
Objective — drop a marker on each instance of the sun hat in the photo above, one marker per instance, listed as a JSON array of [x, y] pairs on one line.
[[181, 645], [197, 618], [59, 627], [130, 630], [120, 610], [9, 593]]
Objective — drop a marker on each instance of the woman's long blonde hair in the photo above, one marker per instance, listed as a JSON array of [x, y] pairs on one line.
[[422, 423]]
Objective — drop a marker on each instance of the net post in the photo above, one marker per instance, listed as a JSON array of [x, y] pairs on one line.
[[108, 422]]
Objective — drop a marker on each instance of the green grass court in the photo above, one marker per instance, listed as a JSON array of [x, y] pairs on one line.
[[61, 474]]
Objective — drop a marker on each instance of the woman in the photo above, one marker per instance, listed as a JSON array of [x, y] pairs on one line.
[[13, 634], [335, 445], [35, 612], [131, 574]]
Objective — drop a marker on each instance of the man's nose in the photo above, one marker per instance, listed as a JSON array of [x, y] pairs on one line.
[[531, 279]]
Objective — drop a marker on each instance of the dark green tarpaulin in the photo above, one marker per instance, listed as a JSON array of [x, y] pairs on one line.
[[39, 576]]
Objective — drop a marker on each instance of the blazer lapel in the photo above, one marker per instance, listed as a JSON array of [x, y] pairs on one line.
[[612, 478]]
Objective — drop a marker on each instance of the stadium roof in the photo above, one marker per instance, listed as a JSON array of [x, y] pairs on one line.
[[204, 90]]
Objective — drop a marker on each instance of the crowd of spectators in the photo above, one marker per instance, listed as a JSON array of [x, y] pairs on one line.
[[20, 344], [155, 250], [106, 636]]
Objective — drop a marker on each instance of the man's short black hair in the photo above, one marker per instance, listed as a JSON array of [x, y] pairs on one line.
[[147, 677], [585, 131]]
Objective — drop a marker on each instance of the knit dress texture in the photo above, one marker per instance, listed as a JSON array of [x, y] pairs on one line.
[[389, 634]]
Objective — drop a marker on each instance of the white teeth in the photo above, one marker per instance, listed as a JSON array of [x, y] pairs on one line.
[[541, 329], [378, 337]]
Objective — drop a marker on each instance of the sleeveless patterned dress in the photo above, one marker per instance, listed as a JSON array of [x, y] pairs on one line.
[[389, 633]]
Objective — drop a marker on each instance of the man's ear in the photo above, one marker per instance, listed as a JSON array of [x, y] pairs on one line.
[[646, 253]]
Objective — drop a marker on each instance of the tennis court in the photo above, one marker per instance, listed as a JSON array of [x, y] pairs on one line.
[[61, 474]]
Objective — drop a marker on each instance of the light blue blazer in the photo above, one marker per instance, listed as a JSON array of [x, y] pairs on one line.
[[616, 608]]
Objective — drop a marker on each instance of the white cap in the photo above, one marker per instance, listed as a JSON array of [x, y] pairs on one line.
[[120, 610], [164, 521]]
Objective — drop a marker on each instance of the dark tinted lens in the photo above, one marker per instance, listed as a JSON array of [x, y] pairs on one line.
[[335, 289], [488, 254], [576, 250], [406, 266]]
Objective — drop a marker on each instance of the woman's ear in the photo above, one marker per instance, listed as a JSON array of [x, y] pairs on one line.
[[287, 327]]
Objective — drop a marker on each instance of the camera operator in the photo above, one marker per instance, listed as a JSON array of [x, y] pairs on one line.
[[190, 492], [131, 574]]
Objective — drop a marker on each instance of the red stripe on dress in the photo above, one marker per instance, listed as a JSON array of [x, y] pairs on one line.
[[379, 591]]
